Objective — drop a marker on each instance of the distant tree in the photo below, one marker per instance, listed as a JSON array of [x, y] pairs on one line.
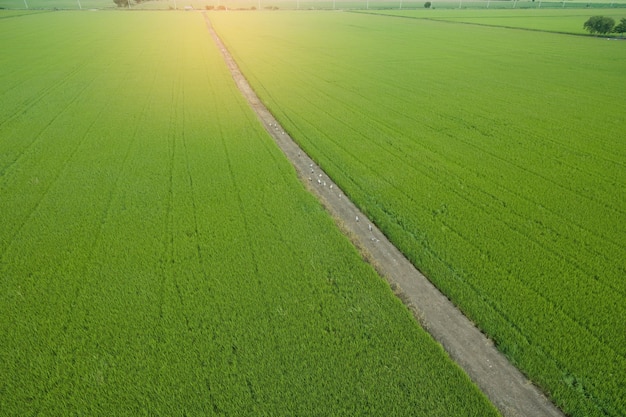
[[599, 24], [621, 28], [121, 3], [427, 5]]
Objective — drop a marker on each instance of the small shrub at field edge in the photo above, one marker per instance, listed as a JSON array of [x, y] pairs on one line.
[[621, 28], [599, 24]]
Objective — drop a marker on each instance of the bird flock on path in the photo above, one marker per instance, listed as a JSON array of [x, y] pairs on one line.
[[321, 182]]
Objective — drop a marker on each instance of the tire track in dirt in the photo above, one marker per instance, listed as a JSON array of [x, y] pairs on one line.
[[506, 387]]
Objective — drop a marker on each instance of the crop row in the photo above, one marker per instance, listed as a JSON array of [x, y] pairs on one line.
[[491, 157]]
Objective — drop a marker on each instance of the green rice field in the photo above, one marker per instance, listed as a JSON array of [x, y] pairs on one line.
[[158, 255], [494, 158]]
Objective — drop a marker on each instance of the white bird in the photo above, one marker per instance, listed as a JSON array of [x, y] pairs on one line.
[[357, 218], [370, 227]]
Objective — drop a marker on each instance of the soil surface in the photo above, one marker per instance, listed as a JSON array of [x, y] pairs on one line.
[[507, 388]]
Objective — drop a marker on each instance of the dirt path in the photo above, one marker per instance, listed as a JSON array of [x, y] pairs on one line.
[[512, 393]]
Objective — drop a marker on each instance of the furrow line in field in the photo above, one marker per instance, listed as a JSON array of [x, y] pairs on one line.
[[32, 101], [37, 137], [32, 210], [192, 193], [168, 241], [106, 213], [13, 85], [25, 13], [503, 384], [240, 203], [484, 150], [177, 112], [170, 204]]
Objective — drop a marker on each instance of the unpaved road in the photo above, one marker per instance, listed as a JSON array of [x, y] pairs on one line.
[[512, 393]]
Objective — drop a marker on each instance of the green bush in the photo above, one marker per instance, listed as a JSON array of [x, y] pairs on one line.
[[599, 24]]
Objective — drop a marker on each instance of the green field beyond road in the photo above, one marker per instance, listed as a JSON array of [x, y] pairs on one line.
[[494, 158], [548, 20]]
